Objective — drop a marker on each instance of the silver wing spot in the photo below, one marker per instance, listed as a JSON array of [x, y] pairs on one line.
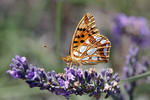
[[105, 51], [97, 38], [86, 58], [102, 41], [87, 41], [91, 51], [77, 54], [83, 48], [100, 58], [94, 58]]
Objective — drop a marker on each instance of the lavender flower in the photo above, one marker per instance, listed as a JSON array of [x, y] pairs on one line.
[[74, 81], [133, 67], [135, 27], [129, 69]]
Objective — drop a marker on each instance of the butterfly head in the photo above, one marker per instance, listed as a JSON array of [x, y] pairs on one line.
[[67, 60]]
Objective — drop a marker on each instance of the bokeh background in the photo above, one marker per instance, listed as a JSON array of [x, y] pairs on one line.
[[42, 31]]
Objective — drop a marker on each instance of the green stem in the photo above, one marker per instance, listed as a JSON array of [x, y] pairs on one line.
[[58, 26], [58, 33], [134, 78]]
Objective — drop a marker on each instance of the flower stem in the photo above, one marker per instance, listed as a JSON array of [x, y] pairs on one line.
[[134, 78], [58, 26], [58, 33]]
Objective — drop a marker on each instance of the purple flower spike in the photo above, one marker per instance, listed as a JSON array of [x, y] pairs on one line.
[[135, 27], [74, 81], [18, 67], [133, 67]]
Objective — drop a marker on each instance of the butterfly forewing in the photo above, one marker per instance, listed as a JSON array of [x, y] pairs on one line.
[[88, 46], [84, 30]]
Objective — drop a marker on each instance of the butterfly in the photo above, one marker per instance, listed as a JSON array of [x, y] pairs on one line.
[[88, 46]]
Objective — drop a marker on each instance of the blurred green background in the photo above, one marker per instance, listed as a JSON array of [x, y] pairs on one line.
[[26, 26]]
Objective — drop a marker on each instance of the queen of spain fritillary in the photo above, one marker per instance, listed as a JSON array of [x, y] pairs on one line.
[[88, 46]]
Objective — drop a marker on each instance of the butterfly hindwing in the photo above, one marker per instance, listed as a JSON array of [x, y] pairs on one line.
[[97, 51]]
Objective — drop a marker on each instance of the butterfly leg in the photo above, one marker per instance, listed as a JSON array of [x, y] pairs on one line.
[[70, 65], [80, 64]]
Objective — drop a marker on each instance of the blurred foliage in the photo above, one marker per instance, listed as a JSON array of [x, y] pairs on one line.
[[25, 26]]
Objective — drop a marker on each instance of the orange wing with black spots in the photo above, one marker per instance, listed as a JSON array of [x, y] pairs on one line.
[[88, 47], [84, 30]]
